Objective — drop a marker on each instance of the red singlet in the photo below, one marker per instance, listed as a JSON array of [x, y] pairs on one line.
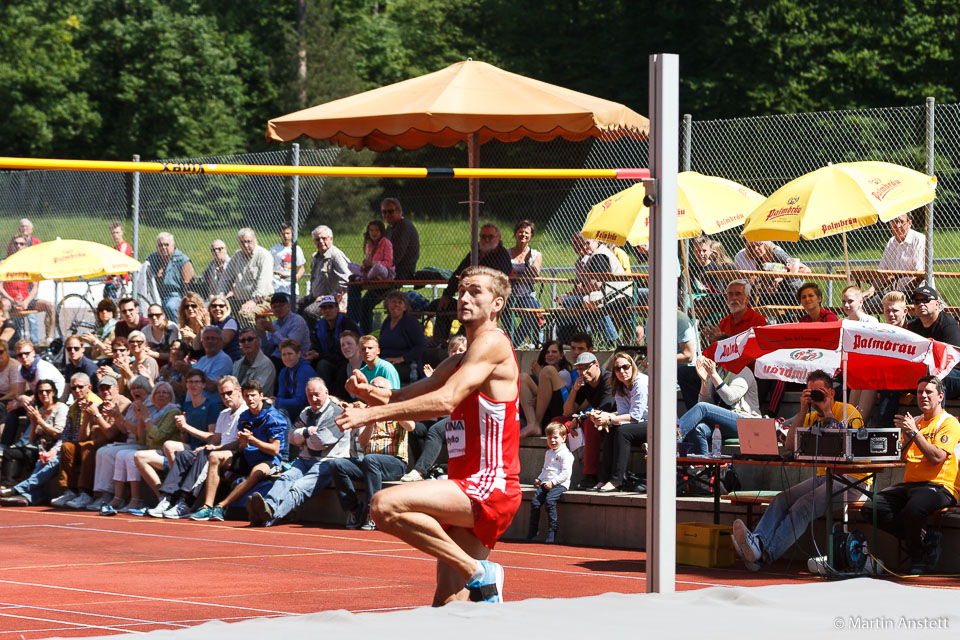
[[483, 445]]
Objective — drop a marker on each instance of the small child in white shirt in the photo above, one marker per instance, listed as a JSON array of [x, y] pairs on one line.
[[553, 480]]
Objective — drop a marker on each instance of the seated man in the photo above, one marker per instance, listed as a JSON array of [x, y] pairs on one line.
[[792, 511], [593, 295], [741, 317], [287, 325], [490, 253], [254, 365], [373, 365], [189, 468], [324, 353], [215, 363], [81, 438], [292, 380], [76, 362], [329, 273], [929, 480], [384, 457], [261, 435], [248, 278], [905, 251], [32, 370], [172, 270], [320, 441], [215, 270], [591, 390], [18, 296]]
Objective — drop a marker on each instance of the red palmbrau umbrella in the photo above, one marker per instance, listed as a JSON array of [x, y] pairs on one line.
[[873, 356]]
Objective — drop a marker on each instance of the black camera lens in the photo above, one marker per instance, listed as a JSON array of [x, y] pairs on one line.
[[818, 395]]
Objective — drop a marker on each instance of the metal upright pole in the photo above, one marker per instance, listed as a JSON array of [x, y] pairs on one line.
[[931, 109], [294, 223], [473, 190], [135, 209], [661, 525]]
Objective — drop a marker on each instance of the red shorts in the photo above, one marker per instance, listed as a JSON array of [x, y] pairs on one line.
[[492, 517]]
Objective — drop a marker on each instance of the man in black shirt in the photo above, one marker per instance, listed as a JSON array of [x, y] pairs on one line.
[[491, 253], [590, 390], [930, 322]]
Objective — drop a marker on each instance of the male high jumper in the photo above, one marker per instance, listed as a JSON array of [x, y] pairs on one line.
[[458, 520]]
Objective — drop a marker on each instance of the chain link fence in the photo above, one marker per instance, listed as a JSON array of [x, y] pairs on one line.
[[762, 153]]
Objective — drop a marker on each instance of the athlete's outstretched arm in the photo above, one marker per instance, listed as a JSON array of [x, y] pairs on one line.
[[478, 364], [357, 385]]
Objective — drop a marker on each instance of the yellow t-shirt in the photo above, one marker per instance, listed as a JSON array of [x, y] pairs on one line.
[[853, 416], [941, 431]]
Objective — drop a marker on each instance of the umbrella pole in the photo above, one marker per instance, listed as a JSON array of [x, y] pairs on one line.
[[843, 361], [846, 258], [473, 190]]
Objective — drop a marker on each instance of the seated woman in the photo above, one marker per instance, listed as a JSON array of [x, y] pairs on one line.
[[628, 426], [47, 418], [544, 390], [139, 363], [766, 256], [219, 310], [47, 421], [154, 424], [377, 254], [292, 380], [98, 341], [198, 416], [811, 299], [192, 317], [401, 337], [161, 334], [737, 391]]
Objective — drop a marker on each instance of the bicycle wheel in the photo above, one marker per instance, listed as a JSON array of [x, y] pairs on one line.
[[75, 316]]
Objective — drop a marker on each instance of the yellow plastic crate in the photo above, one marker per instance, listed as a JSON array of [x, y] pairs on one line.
[[702, 544]]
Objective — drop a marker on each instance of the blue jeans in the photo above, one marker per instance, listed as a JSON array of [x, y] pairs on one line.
[[527, 325], [303, 480], [171, 305], [34, 487], [696, 425], [373, 470], [792, 511], [595, 320]]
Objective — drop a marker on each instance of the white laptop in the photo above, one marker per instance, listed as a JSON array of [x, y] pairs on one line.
[[758, 438]]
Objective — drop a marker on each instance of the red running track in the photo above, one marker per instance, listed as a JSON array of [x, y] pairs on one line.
[[68, 573]]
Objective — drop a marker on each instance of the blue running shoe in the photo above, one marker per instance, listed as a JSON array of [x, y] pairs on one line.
[[107, 510], [217, 514], [140, 512], [490, 588], [202, 514]]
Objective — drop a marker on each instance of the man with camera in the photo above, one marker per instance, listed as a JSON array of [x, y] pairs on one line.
[[792, 511]]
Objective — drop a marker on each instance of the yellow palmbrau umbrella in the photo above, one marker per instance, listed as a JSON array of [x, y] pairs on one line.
[[839, 198], [65, 260], [706, 204]]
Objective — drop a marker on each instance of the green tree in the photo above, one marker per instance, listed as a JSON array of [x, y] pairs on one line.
[[44, 108]]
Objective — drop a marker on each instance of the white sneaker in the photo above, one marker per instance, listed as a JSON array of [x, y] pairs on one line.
[[817, 565], [412, 476], [746, 542], [80, 502], [178, 511], [62, 501], [157, 511], [100, 502]]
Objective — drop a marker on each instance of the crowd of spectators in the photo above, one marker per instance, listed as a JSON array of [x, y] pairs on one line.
[[223, 377]]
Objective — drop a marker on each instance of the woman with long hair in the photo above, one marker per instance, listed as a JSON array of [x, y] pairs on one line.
[[47, 416], [377, 254], [544, 390], [625, 428], [192, 317], [219, 310], [401, 337]]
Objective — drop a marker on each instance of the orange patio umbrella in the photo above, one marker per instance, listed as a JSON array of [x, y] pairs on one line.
[[469, 101]]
